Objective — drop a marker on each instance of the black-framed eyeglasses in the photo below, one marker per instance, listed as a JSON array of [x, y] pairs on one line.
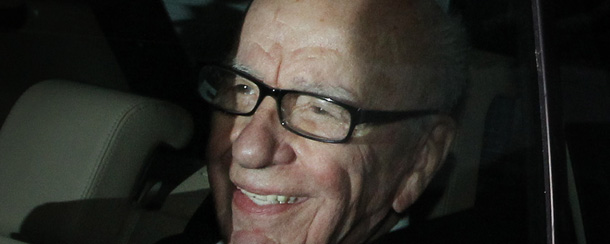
[[307, 114]]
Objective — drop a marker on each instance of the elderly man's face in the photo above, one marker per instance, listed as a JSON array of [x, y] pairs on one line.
[[331, 192]]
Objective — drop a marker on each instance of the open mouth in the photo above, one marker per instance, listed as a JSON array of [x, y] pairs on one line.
[[262, 200]]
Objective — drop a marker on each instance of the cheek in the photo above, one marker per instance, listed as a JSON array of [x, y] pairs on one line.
[[357, 186], [334, 181], [338, 174], [334, 168], [376, 172], [392, 165], [331, 182]]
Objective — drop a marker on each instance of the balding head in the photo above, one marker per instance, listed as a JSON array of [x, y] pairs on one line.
[[417, 42]]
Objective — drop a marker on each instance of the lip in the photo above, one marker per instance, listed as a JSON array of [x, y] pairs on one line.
[[244, 204]]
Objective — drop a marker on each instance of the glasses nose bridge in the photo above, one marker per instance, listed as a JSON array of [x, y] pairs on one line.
[[274, 93]]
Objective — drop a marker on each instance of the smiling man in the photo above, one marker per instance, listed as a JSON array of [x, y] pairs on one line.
[[335, 115]]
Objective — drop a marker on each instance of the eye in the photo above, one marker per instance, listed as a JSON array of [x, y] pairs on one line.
[[322, 111], [319, 110], [243, 89]]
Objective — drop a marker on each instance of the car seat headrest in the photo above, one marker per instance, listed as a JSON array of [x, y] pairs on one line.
[[69, 142]]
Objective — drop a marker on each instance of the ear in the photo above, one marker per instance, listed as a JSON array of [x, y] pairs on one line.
[[430, 154]]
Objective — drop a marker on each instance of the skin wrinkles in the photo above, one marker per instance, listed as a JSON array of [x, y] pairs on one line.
[[352, 191], [328, 38], [362, 152], [313, 79], [304, 80], [362, 155], [311, 226], [265, 56], [371, 215]]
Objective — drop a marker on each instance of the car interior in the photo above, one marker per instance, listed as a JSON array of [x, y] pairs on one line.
[[103, 132]]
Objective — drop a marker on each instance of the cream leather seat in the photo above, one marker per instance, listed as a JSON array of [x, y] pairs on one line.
[[70, 158]]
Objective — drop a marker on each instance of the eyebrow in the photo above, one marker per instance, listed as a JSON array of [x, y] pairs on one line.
[[335, 92], [241, 67]]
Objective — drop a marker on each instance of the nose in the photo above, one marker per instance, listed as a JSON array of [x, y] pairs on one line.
[[262, 140]]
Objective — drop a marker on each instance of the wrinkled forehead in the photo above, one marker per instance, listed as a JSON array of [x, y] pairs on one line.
[[338, 24], [359, 38], [287, 26]]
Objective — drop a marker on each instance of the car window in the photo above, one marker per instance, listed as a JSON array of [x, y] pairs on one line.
[[497, 172], [494, 187], [577, 33]]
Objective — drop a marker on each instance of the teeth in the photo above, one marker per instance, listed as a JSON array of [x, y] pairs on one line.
[[282, 199], [268, 199]]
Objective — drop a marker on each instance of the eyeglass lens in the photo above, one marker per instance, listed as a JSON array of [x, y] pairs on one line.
[[302, 113]]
